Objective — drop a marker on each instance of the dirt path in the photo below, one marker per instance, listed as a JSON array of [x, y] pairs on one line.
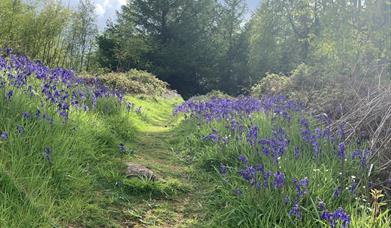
[[155, 149]]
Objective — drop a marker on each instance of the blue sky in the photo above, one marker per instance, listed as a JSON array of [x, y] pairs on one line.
[[105, 9]]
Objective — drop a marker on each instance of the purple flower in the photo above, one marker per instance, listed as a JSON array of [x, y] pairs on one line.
[[4, 136], [341, 151], [38, 114], [266, 176], [337, 192], [296, 153], [243, 159], [279, 179], [301, 186], [223, 169], [10, 94], [356, 154], [333, 218], [249, 174], [322, 206], [26, 115], [295, 211]]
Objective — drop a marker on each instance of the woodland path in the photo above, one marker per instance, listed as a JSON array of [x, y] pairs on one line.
[[155, 149]]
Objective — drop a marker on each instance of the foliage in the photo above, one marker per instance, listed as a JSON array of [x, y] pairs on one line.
[[211, 95], [60, 146], [48, 31], [195, 46], [136, 82], [273, 164], [271, 84]]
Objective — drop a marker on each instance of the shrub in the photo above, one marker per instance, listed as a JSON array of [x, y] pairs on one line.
[[136, 82], [271, 84], [212, 94]]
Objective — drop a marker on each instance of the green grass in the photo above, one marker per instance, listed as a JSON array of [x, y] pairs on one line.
[[266, 207], [85, 185]]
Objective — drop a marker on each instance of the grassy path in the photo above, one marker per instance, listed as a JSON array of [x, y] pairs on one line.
[[154, 148]]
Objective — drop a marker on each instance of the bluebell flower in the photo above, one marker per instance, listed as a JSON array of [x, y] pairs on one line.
[[26, 115], [122, 148], [322, 206], [10, 94], [337, 192], [295, 211], [243, 159], [129, 106], [296, 153], [4, 136], [20, 129], [38, 114], [356, 154], [341, 151], [279, 179], [223, 169]]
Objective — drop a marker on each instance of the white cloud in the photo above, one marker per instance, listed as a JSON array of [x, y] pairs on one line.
[[122, 2], [101, 7]]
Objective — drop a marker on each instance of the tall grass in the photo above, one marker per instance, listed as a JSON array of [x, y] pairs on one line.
[[277, 166]]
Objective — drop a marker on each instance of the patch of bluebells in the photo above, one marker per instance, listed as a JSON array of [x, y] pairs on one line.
[[336, 217], [59, 87], [241, 129]]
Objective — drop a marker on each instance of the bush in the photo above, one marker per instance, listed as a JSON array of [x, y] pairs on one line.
[[271, 84], [212, 94], [136, 82]]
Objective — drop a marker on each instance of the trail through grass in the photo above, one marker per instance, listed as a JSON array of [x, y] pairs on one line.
[[176, 203]]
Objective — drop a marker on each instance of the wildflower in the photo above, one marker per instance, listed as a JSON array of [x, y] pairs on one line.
[[249, 174], [38, 114], [122, 148], [223, 169], [341, 151], [9, 51], [279, 179], [322, 206], [315, 146], [4, 136], [243, 159], [129, 106], [26, 115], [356, 154], [337, 192], [20, 129], [295, 211], [10, 94], [333, 218], [296, 152], [237, 192], [266, 176]]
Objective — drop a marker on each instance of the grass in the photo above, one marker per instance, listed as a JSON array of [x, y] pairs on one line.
[[83, 183], [72, 174], [233, 202]]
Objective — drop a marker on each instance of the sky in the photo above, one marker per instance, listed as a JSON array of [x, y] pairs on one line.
[[106, 9]]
